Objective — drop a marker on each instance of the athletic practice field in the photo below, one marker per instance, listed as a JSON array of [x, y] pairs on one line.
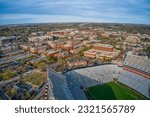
[[113, 91]]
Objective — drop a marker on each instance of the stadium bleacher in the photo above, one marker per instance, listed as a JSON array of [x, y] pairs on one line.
[[138, 62], [72, 81]]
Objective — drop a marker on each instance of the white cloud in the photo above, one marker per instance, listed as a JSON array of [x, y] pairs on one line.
[[74, 11], [45, 18], [30, 18]]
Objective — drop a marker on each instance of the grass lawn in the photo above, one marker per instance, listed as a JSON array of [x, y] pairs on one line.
[[36, 78], [113, 91]]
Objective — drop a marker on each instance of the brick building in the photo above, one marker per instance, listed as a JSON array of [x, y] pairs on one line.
[[103, 47]]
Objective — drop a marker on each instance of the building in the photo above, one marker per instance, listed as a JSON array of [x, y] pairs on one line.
[[41, 49], [38, 50], [76, 62], [105, 35], [49, 53], [6, 40], [38, 38], [49, 33], [133, 39], [90, 54], [55, 45], [24, 47], [67, 47], [60, 34], [62, 54], [33, 50], [103, 47], [102, 51], [8, 48]]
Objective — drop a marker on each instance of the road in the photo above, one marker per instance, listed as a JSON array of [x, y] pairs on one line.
[[3, 95]]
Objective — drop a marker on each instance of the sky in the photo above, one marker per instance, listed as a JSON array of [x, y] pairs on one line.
[[49, 11]]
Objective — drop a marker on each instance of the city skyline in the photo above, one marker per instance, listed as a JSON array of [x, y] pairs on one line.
[[42, 11]]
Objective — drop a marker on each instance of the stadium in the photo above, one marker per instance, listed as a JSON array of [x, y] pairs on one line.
[[105, 82]]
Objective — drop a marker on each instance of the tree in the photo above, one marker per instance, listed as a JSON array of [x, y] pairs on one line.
[[27, 95], [23, 61], [13, 91], [7, 74], [19, 70], [31, 56], [41, 66], [1, 76], [50, 59]]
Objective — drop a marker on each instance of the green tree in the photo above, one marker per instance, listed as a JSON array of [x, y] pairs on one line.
[[50, 59], [41, 66], [1, 76], [13, 91], [23, 61], [7, 74], [31, 56], [27, 95]]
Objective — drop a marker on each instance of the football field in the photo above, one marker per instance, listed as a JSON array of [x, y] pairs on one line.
[[113, 91]]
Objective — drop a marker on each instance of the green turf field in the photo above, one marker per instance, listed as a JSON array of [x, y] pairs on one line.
[[113, 91]]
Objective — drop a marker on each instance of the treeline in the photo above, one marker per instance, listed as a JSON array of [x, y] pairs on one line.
[[129, 28], [21, 30], [26, 29]]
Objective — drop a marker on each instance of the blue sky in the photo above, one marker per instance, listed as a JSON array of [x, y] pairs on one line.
[[43, 11]]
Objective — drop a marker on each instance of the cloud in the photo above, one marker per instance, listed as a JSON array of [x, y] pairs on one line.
[[131, 11], [29, 18]]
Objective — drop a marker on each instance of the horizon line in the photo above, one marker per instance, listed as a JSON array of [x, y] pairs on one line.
[[74, 23]]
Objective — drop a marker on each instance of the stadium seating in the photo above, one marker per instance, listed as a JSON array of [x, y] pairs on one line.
[[136, 82], [138, 62], [68, 85]]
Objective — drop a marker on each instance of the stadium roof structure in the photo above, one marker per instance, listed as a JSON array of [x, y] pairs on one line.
[[59, 86]]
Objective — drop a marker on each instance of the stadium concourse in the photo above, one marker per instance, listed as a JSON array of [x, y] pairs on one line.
[[70, 84]]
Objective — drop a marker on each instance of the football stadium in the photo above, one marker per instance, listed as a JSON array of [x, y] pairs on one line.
[[104, 82], [113, 91]]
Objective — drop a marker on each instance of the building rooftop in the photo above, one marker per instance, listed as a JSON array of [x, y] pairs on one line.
[[104, 45]]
